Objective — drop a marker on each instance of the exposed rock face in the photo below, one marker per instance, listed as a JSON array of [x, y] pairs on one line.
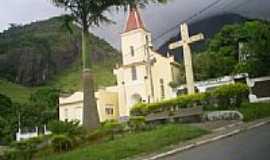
[[223, 115], [32, 54], [29, 66]]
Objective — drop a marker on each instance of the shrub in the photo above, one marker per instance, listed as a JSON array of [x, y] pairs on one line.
[[10, 154], [230, 96], [109, 128], [61, 143], [185, 101], [223, 97], [97, 135], [70, 128], [23, 150], [137, 123], [113, 127], [139, 109]]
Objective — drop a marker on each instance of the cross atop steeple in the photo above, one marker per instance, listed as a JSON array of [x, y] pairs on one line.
[[134, 20]]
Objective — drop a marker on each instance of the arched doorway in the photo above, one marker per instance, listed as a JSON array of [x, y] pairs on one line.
[[135, 98]]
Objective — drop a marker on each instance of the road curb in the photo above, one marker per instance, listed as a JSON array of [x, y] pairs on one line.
[[212, 139], [228, 126]]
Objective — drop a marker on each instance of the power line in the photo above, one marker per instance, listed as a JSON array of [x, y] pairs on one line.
[[185, 20], [241, 4], [220, 7], [188, 19]]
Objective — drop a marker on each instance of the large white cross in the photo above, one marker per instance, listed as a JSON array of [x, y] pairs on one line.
[[185, 43]]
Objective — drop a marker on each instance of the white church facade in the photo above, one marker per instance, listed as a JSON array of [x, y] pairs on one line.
[[144, 76]]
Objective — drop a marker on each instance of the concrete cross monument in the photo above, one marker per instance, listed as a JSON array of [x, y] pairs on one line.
[[185, 43]]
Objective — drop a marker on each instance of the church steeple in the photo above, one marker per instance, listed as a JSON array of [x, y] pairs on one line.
[[134, 20], [133, 39]]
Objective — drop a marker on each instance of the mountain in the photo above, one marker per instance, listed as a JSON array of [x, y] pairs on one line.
[[33, 54], [46, 54], [209, 27]]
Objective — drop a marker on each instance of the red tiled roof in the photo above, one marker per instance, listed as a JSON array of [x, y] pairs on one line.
[[134, 20]]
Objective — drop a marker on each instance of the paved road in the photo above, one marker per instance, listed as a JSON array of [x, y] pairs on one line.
[[251, 145]]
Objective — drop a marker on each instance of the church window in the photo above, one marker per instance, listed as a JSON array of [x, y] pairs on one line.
[[109, 110], [162, 90], [134, 73], [132, 52]]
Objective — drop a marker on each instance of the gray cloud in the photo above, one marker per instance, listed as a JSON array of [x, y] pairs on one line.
[[25, 11], [158, 18]]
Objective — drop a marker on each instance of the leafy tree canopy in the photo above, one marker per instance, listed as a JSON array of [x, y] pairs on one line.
[[223, 51]]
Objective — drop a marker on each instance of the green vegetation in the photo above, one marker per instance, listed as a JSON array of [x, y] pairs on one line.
[[133, 143], [48, 49], [222, 54], [17, 92], [70, 80], [113, 140], [39, 110], [230, 96], [223, 97], [7, 121], [61, 143], [67, 81], [253, 111], [45, 54]]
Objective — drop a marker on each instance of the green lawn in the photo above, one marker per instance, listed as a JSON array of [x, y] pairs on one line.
[[253, 111], [133, 144]]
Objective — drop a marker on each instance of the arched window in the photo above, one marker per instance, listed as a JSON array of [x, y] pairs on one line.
[[136, 98], [132, 52], [133, 73]]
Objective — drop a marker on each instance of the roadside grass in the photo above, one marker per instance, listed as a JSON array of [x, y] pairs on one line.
[[133, 144], [253, 111]]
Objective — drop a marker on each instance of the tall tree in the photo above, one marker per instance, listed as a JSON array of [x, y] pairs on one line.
[[88, 13]]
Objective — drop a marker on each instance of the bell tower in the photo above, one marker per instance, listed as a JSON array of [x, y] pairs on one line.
[[133, 39]]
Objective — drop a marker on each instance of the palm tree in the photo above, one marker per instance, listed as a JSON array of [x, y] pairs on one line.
[[88, 13]]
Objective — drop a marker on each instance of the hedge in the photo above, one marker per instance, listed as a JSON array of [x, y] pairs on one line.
[[225, 96], [230, 95]]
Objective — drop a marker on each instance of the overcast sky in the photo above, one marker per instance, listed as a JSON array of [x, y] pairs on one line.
[[157, 18]]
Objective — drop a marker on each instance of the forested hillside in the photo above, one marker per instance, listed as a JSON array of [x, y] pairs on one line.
[[38, 62], [45, 54], [32, 54]]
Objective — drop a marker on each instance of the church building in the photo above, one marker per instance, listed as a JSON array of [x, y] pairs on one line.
[[143, 76]]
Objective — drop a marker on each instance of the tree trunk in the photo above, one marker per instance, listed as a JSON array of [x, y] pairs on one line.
[[90, 111]]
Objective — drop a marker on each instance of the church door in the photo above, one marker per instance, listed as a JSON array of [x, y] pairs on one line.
[[135, 98]]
